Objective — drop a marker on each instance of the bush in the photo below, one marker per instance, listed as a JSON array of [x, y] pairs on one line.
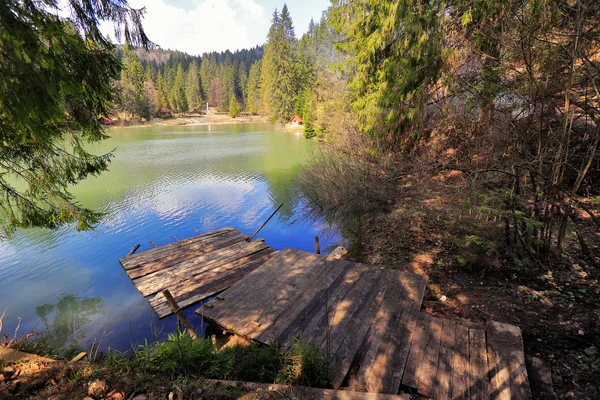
[[475, 253]]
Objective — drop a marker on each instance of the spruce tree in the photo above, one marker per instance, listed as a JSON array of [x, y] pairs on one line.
[[234, 108], [193, 95], [253, 90], [161, 93], [178, 98], [278, 75], [56, 81]]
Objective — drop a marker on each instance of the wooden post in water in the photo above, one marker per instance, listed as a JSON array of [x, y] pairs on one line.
[[264, 223], [317, 245], [133, 250], [179, 314]]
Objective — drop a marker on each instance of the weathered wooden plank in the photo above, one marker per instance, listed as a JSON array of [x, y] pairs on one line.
[[248, 303], [499, 374], [152, 283], [185, 284], [190, 252], [313, 308], [294, 310], [478, 365], [414, 285], [141, 257], [342, 313], [315, 332], [460, 364], [357, 334], [246, 294], [209, 285], [506, 344], [288, 306], [428, 370], [379, 364], [443, 388], [417, 351], [303, 273], [312, 318], [230, 299]]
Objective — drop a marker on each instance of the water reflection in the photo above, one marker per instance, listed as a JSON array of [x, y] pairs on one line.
[[64, 320]]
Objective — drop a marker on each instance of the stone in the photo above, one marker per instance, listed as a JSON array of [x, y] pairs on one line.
[[337, 253], [591, 351], [140, 397], [97, 388], [87, 398]]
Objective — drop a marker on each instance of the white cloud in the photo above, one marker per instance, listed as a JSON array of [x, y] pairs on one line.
[[213, 25]]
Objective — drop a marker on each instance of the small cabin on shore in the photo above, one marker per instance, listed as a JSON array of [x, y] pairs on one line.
[[104, 120], [164, 112], [296, 120]]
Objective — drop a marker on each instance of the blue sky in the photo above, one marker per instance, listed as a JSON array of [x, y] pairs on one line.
[[198, 26]]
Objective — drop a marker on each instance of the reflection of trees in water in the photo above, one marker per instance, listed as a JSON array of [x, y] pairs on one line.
[[63, 321], [282, 189]]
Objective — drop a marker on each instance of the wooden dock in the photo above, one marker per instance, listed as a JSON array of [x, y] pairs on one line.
[[365, 318], [195, 268]]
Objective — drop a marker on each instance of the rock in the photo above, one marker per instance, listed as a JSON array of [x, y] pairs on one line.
[[97, 388], [591, 351], [540, 378], [140, 397], [87, 398], [338, 253]]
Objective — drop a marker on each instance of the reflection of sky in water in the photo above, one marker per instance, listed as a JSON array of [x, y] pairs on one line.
[[162, 182]]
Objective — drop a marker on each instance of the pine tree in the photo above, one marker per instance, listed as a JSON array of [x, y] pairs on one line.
[[193, 95], [234, 108], [253, 96], [287, 25], [161, 93], [56, 79], [208, 70], [177, 97], [278, 75], [136, 96]]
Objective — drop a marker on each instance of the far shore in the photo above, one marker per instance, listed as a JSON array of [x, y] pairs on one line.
[[191, 120]]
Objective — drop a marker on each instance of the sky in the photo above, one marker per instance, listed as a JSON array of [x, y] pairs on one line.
[[198, 26]]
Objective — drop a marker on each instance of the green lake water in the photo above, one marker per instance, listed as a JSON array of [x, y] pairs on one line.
[[162, 183]]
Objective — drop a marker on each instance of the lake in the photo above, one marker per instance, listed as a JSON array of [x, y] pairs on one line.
[[163, 183]]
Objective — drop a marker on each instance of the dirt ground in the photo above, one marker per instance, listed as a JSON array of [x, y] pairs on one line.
[[556, 305]]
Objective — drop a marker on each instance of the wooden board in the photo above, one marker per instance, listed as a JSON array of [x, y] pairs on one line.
[[386, 347], [478, 365], [354, 314], [194, 269], [330, 304], [508, 374]]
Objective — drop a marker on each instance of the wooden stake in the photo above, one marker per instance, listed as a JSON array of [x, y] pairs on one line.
[[133, 250], [317, 245], [264, 223], [179, 314]]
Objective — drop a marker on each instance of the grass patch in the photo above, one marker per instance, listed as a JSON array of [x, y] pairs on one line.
[[181, 356]]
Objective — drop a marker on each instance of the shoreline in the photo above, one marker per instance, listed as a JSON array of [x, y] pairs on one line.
[[191, 120]]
